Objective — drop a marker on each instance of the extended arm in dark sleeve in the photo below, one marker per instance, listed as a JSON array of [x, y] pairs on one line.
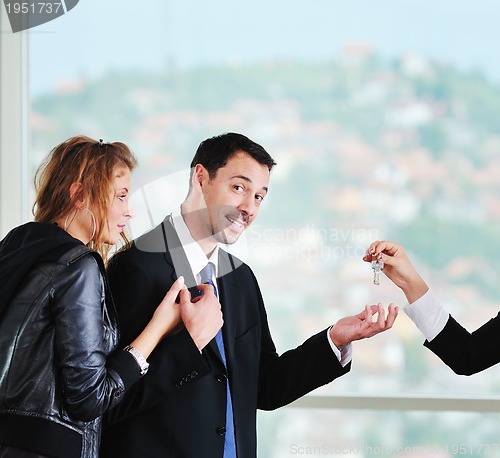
[[468, 353], [287, 377]]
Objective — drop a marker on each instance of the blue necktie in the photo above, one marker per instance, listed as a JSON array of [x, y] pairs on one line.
[[229, 439]]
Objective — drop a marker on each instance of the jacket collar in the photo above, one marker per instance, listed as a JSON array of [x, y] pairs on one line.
[[166, 237]]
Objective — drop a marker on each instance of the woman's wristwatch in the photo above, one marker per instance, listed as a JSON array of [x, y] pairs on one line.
[[143, 364]]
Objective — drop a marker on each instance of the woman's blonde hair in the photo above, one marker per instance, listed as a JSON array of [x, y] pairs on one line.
[[86, 161]]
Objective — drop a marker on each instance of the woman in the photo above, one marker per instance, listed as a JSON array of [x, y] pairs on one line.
[[59, 370], [464, 352]]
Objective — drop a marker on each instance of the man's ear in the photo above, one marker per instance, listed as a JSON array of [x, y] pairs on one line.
[[200, 176], [76, 193]]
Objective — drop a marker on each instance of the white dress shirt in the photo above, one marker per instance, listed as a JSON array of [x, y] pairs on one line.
[[194, 253], [428, 315]]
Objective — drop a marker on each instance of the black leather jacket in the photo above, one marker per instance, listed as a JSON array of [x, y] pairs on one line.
[[58, 369]]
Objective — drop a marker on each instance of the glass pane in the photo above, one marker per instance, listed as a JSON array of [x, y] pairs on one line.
[[382, 116], [359, 433]]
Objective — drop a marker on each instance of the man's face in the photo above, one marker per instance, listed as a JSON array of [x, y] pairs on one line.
[[234, 195]]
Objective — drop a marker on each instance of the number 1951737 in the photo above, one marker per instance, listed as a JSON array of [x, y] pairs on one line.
[[33, 7], [479, 449]]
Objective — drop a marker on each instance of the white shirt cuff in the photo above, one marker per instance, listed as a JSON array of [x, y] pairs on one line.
[[428, 315], [344, 353]]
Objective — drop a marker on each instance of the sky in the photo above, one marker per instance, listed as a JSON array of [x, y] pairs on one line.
[[98, 36]]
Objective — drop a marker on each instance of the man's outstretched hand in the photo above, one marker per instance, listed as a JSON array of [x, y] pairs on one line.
[[363, 325]]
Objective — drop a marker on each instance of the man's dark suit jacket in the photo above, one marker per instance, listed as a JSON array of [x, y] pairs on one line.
[[178, 408], [468, 353]]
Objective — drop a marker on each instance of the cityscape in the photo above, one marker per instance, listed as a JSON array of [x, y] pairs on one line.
[[367, 148]]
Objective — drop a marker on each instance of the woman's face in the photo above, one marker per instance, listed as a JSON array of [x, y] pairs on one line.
[[118, 212]]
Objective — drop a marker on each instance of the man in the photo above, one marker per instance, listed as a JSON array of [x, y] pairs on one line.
[[199, 400]]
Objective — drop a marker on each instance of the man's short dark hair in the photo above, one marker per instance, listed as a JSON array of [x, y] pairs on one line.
[[214, 153]]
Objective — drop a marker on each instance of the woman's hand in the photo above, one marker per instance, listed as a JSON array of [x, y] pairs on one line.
[[398, 267], [166, 318]]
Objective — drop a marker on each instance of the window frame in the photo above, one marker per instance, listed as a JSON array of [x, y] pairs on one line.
[[14, 127], [414, 403]]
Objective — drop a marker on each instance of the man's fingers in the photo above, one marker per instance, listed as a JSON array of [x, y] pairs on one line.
[[184, 296], [205, 288], [382, 323], [391, 317], [381, 315], [369, 313], [196, 299]]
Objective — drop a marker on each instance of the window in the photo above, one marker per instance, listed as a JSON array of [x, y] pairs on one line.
[[383, 118]]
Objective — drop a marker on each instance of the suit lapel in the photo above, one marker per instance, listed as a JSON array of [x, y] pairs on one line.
[[175, 256]]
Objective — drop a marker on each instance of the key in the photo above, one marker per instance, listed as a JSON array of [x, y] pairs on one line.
[[377, 266]]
